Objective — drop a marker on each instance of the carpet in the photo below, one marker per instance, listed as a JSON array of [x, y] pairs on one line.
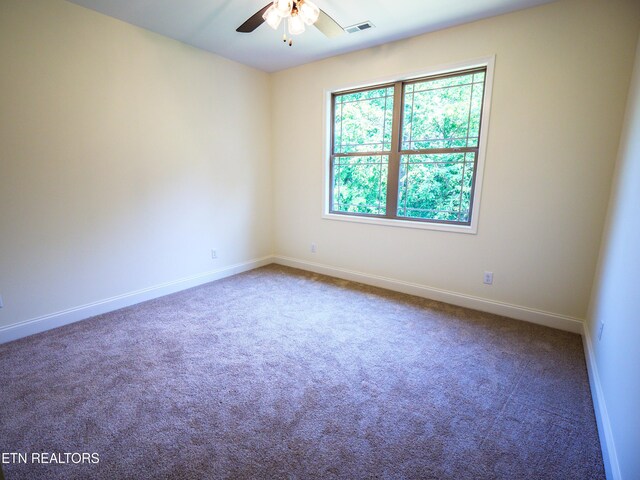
[[279, 373]]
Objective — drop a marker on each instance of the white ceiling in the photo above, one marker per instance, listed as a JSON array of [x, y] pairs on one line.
[[211, 24]]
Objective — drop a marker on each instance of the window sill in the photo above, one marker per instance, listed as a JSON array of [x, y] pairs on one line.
[[443, 227]]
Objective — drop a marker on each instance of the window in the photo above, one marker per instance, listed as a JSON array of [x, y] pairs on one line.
[[408, 150]]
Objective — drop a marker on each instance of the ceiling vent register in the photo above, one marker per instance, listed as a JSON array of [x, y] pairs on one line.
[[359, 27]]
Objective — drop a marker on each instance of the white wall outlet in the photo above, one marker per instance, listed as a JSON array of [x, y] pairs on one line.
[[600, 329], [1, 304], [488, 278], [314, 248], [214, 254]]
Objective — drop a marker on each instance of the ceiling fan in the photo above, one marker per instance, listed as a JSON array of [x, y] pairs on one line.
[[296, 14]]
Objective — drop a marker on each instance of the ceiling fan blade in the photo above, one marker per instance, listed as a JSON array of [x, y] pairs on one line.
[[328, 25], [254, 21]]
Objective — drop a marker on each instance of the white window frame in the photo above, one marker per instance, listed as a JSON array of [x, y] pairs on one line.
[[472, 228]]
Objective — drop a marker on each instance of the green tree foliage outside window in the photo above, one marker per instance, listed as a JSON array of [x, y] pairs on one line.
[[434, 155]]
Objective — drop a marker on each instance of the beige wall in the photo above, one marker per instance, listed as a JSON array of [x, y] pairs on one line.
[[616, 302], [561, 77], [125, 157]]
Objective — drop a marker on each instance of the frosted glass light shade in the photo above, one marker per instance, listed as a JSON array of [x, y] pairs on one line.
[[296, 25], [272, 17], [283, 7], [309, 12]]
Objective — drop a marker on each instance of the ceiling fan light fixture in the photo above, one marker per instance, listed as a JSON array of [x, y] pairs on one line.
[[296, 25], [308, 11], [295, 14], [272, 17]]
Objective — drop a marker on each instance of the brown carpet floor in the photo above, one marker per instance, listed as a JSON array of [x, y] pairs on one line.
[[279, 373]]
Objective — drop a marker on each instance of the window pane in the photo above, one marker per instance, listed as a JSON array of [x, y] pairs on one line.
[[474, 117], [360, 184], [436, 186], [443, 112], [363, 121], [439, 138]]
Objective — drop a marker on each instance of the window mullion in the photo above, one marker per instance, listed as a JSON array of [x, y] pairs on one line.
[[393, 173]]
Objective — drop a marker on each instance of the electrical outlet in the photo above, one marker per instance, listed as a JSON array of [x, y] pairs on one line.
[[488, 278], [314, 248], [214, 254], [600, 329]]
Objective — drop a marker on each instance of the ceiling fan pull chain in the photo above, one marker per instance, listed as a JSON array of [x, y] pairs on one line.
[[284, 34]]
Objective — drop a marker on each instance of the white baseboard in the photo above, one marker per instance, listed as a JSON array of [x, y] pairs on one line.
[[58, 319], [561, 322], [609, 455], [46, 322]]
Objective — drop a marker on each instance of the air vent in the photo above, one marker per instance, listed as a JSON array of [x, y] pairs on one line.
[[359, 27]]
